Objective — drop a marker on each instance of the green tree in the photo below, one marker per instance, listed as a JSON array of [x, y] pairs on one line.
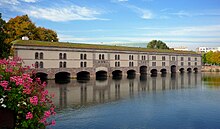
[[18, 27], [5, 48], [44, 34], [157, 44]]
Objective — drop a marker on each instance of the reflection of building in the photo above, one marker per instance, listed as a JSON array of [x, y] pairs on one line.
[[76, 94]]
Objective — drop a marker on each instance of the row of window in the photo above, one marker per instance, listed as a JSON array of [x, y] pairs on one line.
[[102, 57], [117, 64], [62, 56], [39, 55], [39, 65]]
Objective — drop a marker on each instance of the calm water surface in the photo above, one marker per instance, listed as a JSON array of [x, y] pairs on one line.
[[170, 102]]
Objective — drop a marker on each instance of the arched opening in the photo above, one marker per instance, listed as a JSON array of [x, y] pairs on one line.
[[117, 74], [83, 75], [62, 77], [181, 70], [173, 69], [189, 70], [195, 70], [42, 76], [101, 75], [153, 72], [131, 74], [163, 71], [143, 70]]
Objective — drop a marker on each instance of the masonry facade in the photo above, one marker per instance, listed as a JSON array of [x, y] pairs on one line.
[[52, 60]]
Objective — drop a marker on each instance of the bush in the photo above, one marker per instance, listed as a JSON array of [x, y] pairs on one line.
[[24, 95]]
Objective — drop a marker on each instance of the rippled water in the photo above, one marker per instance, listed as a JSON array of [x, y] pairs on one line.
[[170, 102]]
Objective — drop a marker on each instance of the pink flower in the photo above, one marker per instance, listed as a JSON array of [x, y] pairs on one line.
[[53, 122], [13, 63], [29, 115], [47, 114], [34, 100], [4, 84]]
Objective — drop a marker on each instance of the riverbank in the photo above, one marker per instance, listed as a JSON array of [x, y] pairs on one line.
[[210, 69]]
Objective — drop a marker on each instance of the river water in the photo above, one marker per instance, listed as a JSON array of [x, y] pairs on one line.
[[173, 101]]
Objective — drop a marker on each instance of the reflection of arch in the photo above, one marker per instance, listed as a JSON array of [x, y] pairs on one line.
[[143, 70], [41, 75], [181, 70], [101, 75], [83, 75], [195, 70], [62, 77], [173, 68], [189, 70], [163, 71]]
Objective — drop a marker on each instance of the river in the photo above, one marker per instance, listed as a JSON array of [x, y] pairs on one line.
[[189, 100]]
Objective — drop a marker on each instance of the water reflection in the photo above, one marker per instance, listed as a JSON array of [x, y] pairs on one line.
[[83, 93]]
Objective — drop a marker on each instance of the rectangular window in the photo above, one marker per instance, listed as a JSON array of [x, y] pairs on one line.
[[195, 63], [163, 58], [182, 63], [163, 64], [195, 59], [189, 59], [154, 57], [189, 63], [181, 58], [153, 63], [173, 59]]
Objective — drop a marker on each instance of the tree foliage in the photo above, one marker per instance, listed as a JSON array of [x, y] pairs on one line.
[[21, 26], [157, 44], [211, 57], [5, 48]]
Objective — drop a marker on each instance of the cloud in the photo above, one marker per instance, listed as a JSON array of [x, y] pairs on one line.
[[57, 14], [9, 2], [122, 0], [30, 1]]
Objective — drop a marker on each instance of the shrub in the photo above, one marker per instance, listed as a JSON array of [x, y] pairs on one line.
[[25, 95]]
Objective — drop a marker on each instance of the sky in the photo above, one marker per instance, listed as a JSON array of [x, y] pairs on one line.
[[178, 23]]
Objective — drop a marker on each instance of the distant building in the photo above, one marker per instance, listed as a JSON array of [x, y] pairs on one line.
[[181, 48], [207, 49], [25, 38]]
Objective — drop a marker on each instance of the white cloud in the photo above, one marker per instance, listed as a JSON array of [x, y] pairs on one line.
[[9, 2], [30, 1], [144, 13], [57, 14]]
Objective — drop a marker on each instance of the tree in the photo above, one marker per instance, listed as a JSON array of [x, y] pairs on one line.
[[21, 26], [157, 44], [44, 34], [18, 27], [5, 48]]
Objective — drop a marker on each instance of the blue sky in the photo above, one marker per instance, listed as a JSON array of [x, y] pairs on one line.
[[190, 23]]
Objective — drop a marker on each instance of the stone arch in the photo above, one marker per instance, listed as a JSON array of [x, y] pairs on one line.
[[101, 75], [131, 73], [163, 71], [43, 76], [143, 70], [62, 77], [189, 70], [173, 69], [83, 75], [101, 69], [117, 74], [153, 72], [195, 70], [181, 70]]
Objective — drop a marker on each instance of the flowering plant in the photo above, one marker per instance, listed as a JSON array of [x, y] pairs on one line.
[[24, 94]]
